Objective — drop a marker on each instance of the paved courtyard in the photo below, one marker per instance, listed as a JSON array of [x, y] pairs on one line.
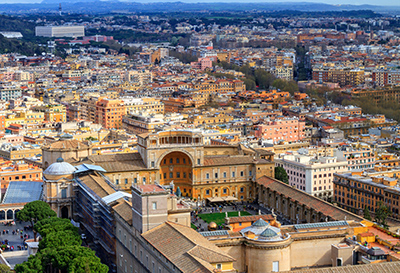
[[251, 208], [14, 239]]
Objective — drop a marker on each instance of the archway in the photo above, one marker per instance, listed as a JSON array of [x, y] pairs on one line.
[[64, 212], [2, 215], [10, 215], [176, 167]]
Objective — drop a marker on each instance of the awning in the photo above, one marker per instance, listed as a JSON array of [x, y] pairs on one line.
[[215, 199], [221, 199], [229, 198]]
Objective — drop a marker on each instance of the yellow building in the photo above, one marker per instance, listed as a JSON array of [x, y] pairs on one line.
[[28, 117], [180, 157]]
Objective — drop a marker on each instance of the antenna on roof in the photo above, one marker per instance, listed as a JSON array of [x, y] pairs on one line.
[[59, 9]]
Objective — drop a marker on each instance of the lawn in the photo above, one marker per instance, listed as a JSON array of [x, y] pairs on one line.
[[219, 218]]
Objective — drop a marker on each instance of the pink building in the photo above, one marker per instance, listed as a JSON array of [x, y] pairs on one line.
[[202, 63], [286, 129]]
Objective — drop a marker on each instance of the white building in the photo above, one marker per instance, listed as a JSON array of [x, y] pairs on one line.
[[60, 31], [310, 174]]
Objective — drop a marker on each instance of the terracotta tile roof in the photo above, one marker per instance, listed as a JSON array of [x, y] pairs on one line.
[[124, 210], [388, 267], [150, 188], [67, 144], [231, 160], [97, 184], [114, 162], [185, 248], [310, 201], [250, 218]]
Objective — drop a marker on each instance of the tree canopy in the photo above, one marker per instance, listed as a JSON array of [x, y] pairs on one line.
[[60, 250], [381, 214], [34, 212], [281, 175]]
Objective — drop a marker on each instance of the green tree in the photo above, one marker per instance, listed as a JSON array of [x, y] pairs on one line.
[[381, 214], [367, 215], [61, 251], [84, 264], [281, 175], [32, 265], [57, 239], [250, 84], [34, 212], [263, 78], [54, 224], [4, 269]]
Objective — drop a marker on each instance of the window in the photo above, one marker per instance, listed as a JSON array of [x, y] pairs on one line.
[[249, 173], [207, 175], [171, 161], [135, 180], [198, 161], [154, 205], [219, 266], [224, 174], [178, 175], [152, 164], [165, 175], [224, 191], [233, 174], [64, 193], [184, 175], [275, 266], [126, 180], [241, 173], [339, 262], [177, 161], [241, 189], [216, 175], [144, 180], [171, 175], [117, 181], [184, 161], [207, 192]]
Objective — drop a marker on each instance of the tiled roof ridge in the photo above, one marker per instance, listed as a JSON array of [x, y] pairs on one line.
[[206, 265], [171, 224], [206, 248], [317, 200]]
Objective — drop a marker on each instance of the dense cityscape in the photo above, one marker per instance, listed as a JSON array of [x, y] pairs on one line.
[[178, 137]]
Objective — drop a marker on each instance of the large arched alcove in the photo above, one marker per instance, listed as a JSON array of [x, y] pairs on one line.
[[176, 167]]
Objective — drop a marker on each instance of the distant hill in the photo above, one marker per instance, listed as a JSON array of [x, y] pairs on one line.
[[96, 6]]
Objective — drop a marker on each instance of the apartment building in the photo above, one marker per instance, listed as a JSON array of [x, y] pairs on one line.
[[139, 124], [358, 159], [109, 113], [344, 77], [147, 104], [311, 174], [60, 31], [356, 190], [281, 129]]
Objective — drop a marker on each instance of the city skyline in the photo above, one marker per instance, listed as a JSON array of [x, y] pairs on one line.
[[330, 2]]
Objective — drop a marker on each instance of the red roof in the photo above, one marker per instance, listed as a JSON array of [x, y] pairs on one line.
[[151, 188]]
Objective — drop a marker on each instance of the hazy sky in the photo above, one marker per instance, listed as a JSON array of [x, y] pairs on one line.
[[334, 2]]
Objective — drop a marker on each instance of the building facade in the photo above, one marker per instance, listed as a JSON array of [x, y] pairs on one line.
[[310, 174]]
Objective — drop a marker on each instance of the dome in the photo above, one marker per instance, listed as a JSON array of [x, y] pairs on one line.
[[60, 168], [260, 223], [269, 233]]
